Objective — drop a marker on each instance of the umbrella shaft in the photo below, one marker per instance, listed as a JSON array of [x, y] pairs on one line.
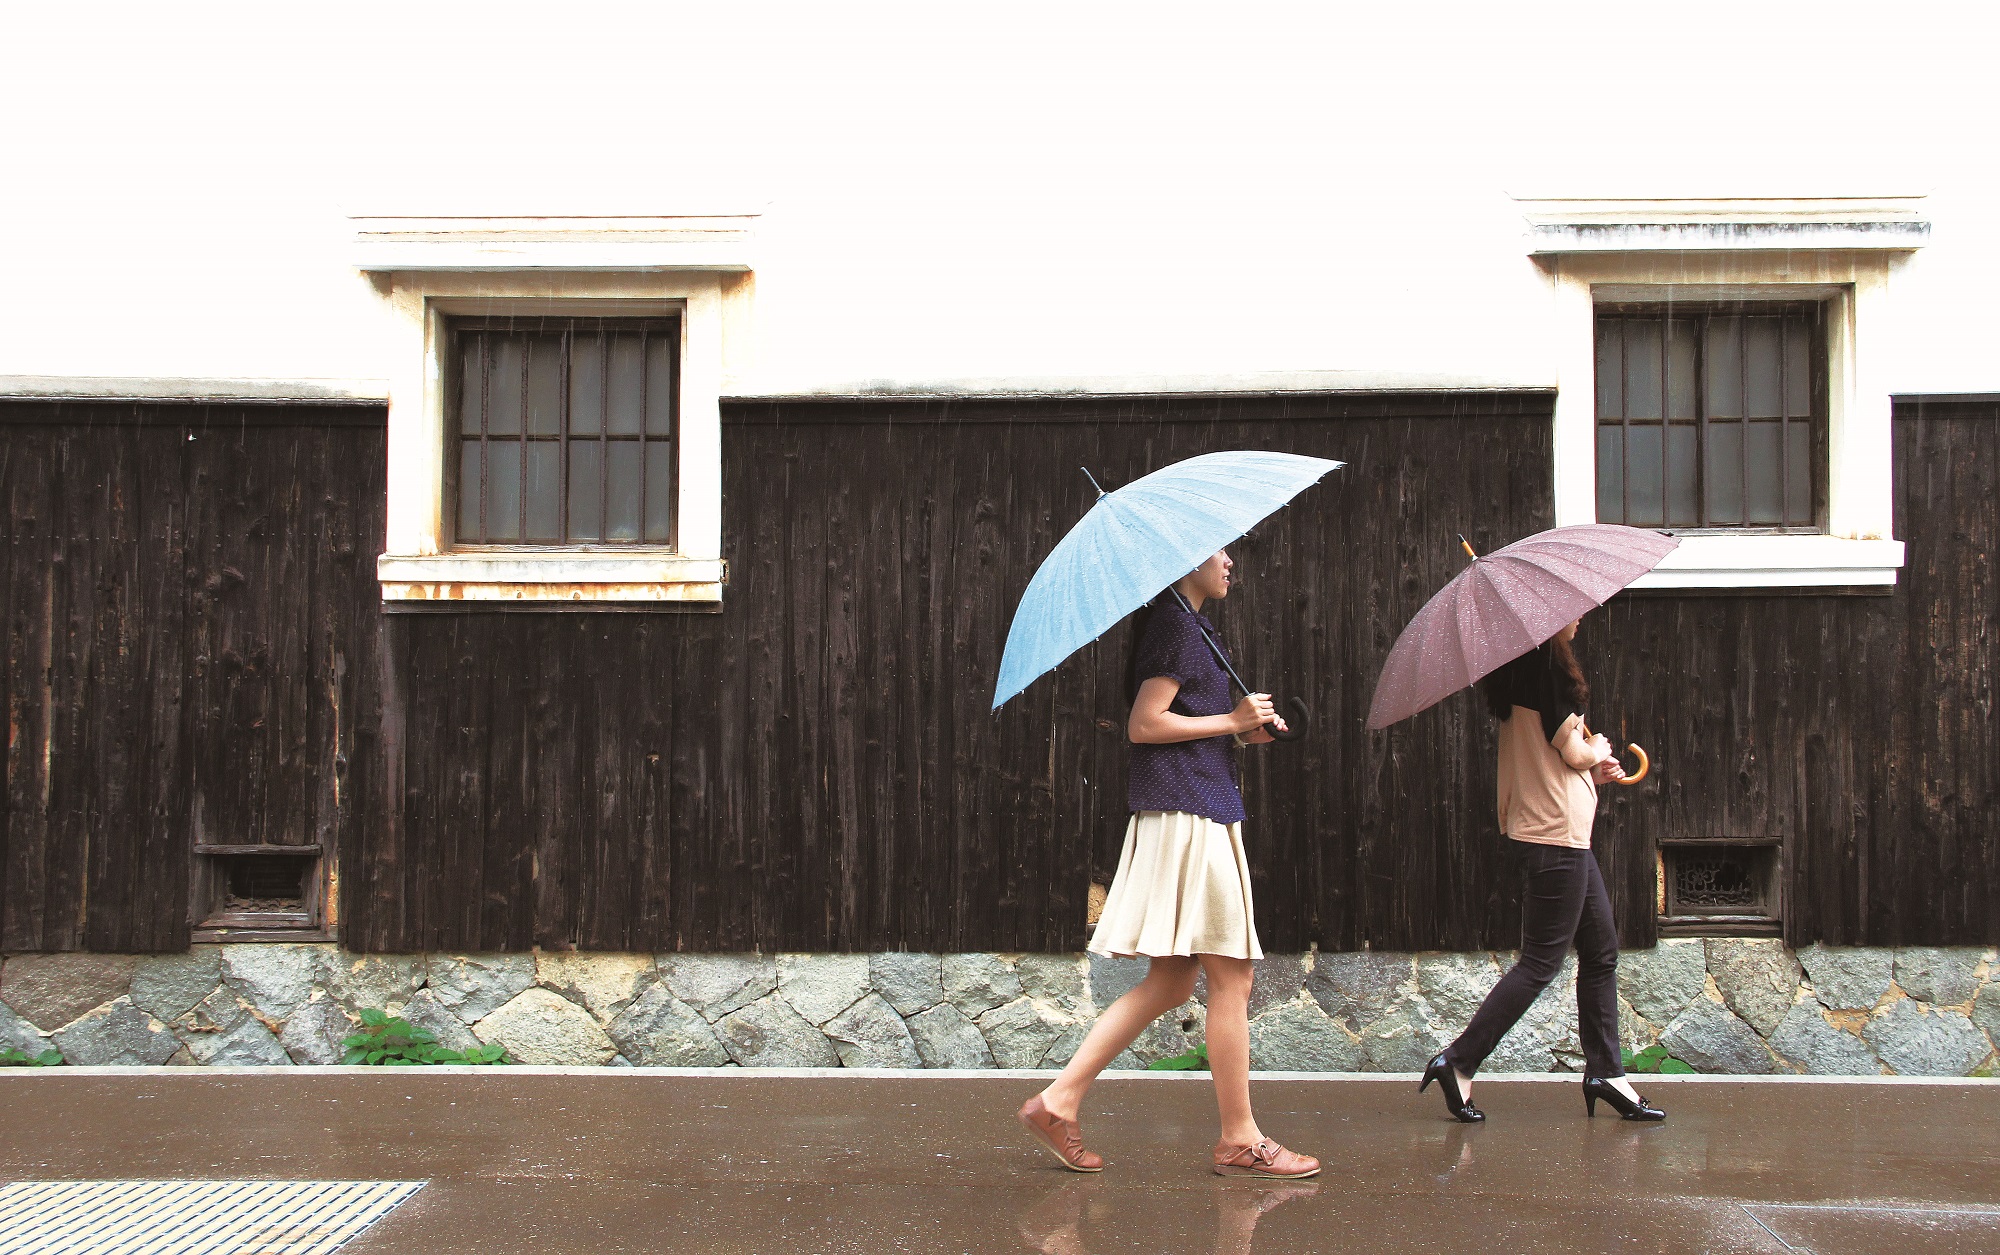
[[1213, 648]]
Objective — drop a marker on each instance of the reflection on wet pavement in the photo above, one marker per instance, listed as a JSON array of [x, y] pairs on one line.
[[1055, 1224], [522, 1163]]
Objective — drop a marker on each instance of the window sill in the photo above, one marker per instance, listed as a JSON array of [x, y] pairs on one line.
[[551, 576], [1711, 561]]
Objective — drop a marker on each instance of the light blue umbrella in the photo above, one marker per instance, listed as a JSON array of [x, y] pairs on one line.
[[1137, 541]]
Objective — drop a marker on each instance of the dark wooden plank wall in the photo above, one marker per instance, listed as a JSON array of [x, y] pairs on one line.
[[1858, 729], [194, 645], [191, 625], [815, 768]]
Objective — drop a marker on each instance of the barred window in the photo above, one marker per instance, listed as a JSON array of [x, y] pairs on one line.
[[566, 430], [1712, 417]]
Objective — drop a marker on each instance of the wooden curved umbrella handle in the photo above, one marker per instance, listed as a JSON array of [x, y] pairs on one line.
[[1645, 764]]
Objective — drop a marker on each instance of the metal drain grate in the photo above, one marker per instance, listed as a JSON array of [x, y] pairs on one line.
[[191, 1217]]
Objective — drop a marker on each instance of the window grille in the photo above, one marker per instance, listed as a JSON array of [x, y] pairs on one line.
[[566, 430], [1720, 887], [1712, 417], [252, 892]]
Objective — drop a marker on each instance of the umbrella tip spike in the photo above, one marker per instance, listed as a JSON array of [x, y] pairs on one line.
[[1467, 546], [1093, 482]]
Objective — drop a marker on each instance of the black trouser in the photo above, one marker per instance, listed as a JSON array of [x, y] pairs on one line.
[[1563, 901]]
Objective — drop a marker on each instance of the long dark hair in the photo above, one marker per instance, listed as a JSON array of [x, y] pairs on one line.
[[1134, 636], [1548, 670]]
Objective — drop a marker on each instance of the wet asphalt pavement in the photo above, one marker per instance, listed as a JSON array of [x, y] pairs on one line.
[[521, 1161]]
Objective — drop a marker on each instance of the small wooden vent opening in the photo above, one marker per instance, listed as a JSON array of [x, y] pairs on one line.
[[259, 893], [1721, 888]]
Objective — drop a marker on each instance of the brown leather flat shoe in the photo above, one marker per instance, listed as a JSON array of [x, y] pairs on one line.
[[1262, 1159], [1062, 1137]]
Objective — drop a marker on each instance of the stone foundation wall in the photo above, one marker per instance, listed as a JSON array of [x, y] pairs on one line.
[[1727, 1006]]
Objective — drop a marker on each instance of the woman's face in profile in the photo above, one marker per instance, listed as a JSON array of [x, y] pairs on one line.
[[1568, 634], [1212, 579]]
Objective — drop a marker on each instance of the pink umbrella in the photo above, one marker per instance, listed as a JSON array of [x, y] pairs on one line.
[[1504, 605]]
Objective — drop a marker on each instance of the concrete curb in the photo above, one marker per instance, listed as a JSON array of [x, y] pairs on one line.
[[303, 1072]]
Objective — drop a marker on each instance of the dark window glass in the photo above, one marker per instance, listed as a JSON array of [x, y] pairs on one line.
[[566, 430], [1711, 416]]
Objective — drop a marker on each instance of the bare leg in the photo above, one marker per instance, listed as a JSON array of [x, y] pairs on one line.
[[1240, 1210], [1169, 982], [1229, 1045]]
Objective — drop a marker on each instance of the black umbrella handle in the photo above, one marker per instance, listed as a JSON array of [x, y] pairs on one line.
[[1297, 730], [1297, 722]]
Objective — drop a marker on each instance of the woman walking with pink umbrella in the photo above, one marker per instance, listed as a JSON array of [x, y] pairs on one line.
[[1507, 623]]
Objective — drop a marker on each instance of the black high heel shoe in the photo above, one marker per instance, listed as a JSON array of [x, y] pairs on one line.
[[1439, 1070], [1595, 1088]]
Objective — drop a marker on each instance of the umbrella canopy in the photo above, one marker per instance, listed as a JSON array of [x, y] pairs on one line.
[[1137, 541], [1504, 605]]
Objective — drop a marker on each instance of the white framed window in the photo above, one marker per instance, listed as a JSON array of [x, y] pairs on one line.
[[554, 425], [1720, 358]]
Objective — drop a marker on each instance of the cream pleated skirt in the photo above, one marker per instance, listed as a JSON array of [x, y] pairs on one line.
[[1183, 887]]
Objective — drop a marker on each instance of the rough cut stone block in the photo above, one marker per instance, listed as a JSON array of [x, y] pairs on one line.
[[1280, 977], [1356, 986], [869, 1034], [1111, 979], [425, 1011], [717, 984], [1916, 1041], [276, 980], [1947, 976], [977, 983], [50, 990], [1661, 983], [660, 1031], [1634, 1033], [908, 982], [1174, 1033], [944, 1038], [1818, 1048], [1022, 1031], [1455, 984], [1064, 1047], [1848, 978], [472, 986], [541, 1026], [604, 983], [167, 986], [1057, 979], [1712, 1039], [248, 1043], [315, 1031], [218, 1013], [821, 986], [1757, 977], [116, 1033], [16, 1033], [1986, 1010], [1404, 1039], [377, 982], [769, 1034], [1545, 1037], [1299, 1037]]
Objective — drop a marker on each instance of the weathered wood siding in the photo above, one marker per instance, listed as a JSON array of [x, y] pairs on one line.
[[195, 647], [816, 768], [190, 626], [1857, 728]]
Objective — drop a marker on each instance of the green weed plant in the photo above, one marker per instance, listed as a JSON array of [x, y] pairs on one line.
[[391, 1041], [12, 1058], [1655, 1058], [1195, 1060]]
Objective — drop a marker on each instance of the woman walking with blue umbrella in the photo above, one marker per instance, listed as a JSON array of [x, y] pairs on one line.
[[1181, 895]]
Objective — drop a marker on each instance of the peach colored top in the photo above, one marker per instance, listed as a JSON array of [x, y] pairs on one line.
[[1547, 794]]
